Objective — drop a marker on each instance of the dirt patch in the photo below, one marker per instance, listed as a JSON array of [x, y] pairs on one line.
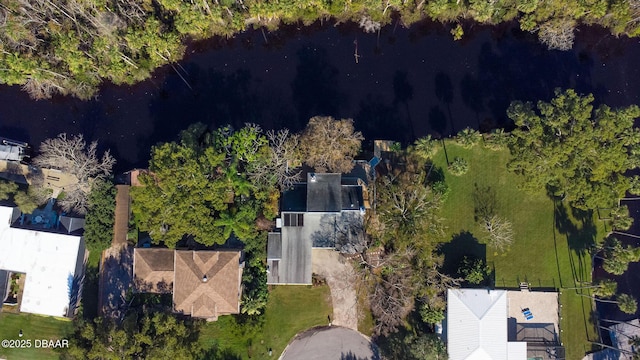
[[341, 279]]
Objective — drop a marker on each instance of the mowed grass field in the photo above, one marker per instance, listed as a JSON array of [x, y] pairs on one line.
[[550, 242], [33, 327], [290, 310]]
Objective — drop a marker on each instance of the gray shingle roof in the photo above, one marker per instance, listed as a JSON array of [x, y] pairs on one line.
[[324, 192], [274, 246]]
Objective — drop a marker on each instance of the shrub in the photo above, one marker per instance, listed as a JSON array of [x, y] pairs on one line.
[[459, 166], [498, 139], [468, 138]]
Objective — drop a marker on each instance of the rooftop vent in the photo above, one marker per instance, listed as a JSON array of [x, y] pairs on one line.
[[312, 177], [204, 278]]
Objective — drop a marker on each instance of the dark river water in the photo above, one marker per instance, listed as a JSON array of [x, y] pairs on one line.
[[405, 84]]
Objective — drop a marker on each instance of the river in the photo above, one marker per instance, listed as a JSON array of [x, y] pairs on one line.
[[406, 82]]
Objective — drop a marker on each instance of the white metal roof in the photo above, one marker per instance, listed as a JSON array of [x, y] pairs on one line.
[[517, 350], [52, 263], [477, 324], [9, 152]]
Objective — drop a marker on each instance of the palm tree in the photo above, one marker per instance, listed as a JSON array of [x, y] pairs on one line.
[[617, 258], [627, 304], [459, 166], [237, 184], [620, 219], [425, 147], [604, 288], [236, 222], [468, 138]]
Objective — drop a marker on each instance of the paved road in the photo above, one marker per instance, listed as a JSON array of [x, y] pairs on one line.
[[331, 343]]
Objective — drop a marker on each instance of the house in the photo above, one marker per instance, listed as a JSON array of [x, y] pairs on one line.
[[312, 215], [50, 254], [502, 325], [203, 284]]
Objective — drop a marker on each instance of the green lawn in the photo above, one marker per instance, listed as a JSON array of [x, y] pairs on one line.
[[549, 242], [291, 309], [33, 327]]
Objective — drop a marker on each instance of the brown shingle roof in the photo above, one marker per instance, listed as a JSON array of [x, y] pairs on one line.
[[153, 270], [219, 294], [121, 223]]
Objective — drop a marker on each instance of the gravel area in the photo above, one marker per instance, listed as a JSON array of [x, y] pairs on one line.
[[340, 277]]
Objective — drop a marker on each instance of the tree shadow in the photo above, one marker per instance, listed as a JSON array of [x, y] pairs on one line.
[[314, 88], [437, 121], [580, 231], [444, 93], [351, 356], [116, 282], [461, 245], [402, 89], [90, 288], [436, 180], [374, 117], [580, 237], [220, 354], [402, 94], [485, 202], [471, 93], [343, 231]]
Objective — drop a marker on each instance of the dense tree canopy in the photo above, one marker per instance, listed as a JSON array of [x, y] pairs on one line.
[[99, 220], [27, 201], [574, 151], [146, 336], [71, 46], [409, 228], [199, 187], [181, 195]]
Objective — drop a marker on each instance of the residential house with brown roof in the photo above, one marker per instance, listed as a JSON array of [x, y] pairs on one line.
[[204, 284]]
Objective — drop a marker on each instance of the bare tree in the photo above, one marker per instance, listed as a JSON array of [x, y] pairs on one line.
[[280, 166], [557, 34], [329, 145], [499, 232], [369, 25], [393, 294], [72, 156]]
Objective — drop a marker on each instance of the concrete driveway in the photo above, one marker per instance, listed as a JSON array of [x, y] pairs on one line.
[[340, 277], [331, 343]]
